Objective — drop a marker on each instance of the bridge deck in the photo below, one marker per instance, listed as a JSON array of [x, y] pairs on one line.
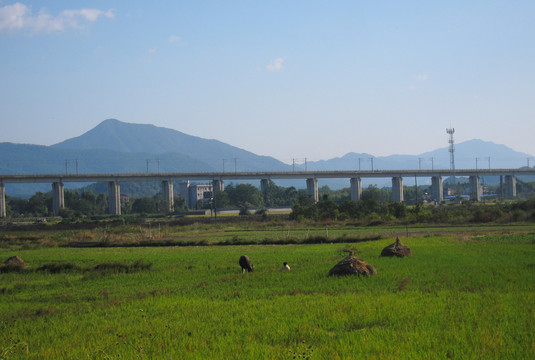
[[50, 178]]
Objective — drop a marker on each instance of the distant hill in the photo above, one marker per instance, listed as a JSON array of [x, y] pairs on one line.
[[37, 159], [115, 146], [124, 137], [465, 154]]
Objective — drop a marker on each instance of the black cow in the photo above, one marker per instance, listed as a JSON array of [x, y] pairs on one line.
[[245, 264]]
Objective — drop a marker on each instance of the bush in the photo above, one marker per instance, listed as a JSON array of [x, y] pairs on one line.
[[11, 268], [121, 267], [55, 268]]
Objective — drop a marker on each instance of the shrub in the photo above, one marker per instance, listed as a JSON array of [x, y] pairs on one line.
[[121, 267], [55, 268], [11, 268]]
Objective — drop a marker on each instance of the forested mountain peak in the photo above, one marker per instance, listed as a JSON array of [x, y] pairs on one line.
[[125, 137]]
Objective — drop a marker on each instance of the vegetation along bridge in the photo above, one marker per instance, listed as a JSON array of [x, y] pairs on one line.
[[218, 178]]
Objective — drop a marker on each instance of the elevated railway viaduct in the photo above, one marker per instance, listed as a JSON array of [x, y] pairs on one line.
[[218, 179]]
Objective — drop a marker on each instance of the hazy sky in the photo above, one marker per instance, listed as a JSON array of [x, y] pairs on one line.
[[289, 79]]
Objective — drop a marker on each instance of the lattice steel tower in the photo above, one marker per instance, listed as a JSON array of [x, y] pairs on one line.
[[452, 151]]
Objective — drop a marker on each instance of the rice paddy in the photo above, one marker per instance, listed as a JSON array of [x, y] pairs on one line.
[[462, 295]]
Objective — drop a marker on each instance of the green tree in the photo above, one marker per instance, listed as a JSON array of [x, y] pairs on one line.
[[180, 205], [397, 210], [279, 196], [338, 196], [84, 203], [16, 206], [371, 200], [146, 205], [40, 204], [410, 194], [304, 208], [350, 209], [222, 200], [244, 193], [327, 209]]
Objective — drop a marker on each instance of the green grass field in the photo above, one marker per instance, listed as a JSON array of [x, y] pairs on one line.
[[462, 295]]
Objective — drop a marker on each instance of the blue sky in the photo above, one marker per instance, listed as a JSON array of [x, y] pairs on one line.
[[289, 79]]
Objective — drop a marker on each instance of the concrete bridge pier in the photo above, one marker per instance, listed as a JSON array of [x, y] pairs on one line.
[[510, 187], [2, 200], [183, 191], [475, 188], [114, 198], [58, 199], [218, 185], [437, 188], [312, 188], [264, 183], [397, 189], [168, 195], [356, 188]]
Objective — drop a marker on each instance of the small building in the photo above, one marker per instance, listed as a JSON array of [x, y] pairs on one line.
[[125, 199], [196, 195]]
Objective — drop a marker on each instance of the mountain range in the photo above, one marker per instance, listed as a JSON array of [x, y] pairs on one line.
[[118, 147]]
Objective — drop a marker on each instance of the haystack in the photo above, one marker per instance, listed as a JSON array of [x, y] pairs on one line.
[[14, 261], [396, 249], [352, 266]]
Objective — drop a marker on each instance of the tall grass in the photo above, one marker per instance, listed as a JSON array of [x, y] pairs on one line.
[[244, 233]]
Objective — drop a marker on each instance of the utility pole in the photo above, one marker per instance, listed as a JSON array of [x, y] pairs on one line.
[[450, 132], [371, 159], [293, 165], [415, 190], [476, 162], [213, 203], [501, 187]]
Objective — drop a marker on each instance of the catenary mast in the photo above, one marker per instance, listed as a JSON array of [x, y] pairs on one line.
[[450, 132]]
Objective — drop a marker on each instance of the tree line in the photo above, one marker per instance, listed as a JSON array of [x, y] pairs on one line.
[[375, 205], [370, 211]]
